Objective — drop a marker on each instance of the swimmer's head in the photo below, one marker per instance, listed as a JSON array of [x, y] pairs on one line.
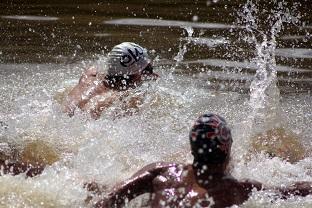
[[127, 58], [210, 139]]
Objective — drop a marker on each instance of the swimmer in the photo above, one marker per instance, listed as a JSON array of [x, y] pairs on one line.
[[204, 183], [128, 66]]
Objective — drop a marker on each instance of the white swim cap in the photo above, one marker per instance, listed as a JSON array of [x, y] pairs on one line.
[[127, 58]]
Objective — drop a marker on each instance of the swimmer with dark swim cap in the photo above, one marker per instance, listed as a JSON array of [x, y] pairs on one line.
[[210, 140], [204, 183], [128, 66]]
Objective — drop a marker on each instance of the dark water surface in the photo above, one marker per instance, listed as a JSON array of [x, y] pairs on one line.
[[67, 32]]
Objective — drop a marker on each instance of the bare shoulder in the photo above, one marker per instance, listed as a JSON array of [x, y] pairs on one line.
[[155, 167], [245, 183], [251, 184]]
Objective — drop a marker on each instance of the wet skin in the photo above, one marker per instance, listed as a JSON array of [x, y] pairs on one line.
[[89, 86], [88, 94], [176, 185], [173, 185]]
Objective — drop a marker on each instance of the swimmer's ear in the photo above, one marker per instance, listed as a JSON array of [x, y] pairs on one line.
[[91, 71]]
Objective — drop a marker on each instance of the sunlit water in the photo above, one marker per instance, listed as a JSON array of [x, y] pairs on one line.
[[110, 149]]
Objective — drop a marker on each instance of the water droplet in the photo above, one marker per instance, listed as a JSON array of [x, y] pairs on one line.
[[195, 18]]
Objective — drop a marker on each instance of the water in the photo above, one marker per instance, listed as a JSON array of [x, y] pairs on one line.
[[264, 93], [205, 65]]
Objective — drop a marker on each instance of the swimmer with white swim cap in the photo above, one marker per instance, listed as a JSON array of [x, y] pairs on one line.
[[128, 66]]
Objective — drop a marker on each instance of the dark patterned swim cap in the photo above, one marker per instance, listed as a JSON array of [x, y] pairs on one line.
[[210, 139]]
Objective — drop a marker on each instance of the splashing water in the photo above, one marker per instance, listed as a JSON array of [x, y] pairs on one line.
[[183, 47], [107, 150], [262, 30], [111, 149], [182, 50]]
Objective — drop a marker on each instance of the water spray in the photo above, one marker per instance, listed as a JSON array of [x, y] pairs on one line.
[[263, 27], [266, 124]]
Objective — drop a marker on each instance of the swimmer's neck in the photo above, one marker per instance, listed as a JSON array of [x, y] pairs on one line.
[[209, 172]]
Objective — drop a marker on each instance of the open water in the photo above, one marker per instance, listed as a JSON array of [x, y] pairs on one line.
[[234, 58]]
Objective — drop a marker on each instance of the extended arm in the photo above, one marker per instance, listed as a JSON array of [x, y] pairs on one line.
[[302, 188], [140, 183]]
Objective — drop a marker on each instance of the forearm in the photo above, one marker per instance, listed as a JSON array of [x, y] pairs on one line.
[[139, 183], [298, 189], [128, 191]]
